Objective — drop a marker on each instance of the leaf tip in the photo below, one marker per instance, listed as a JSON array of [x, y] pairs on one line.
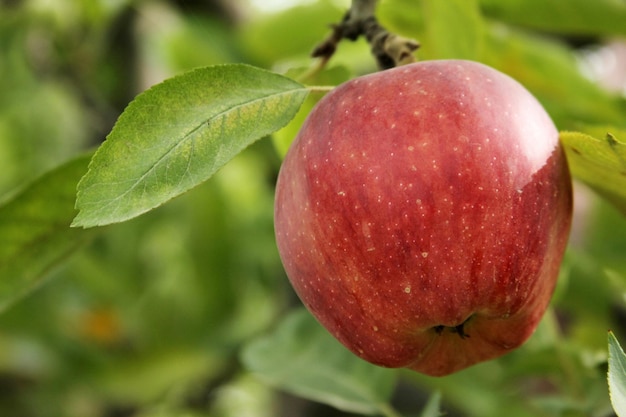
[[78, 222]]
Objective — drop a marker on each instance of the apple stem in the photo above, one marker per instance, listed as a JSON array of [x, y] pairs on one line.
[[320, 88], [389, 49]]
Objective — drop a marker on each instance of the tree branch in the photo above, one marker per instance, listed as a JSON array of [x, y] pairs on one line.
[[389, 49]]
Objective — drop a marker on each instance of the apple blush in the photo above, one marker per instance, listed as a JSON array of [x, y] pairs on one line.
[[422, 214]]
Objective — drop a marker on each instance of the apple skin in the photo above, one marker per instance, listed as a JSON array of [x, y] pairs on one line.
[[422, 213]]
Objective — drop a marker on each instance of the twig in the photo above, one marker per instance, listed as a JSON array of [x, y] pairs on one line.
[[389, 49]]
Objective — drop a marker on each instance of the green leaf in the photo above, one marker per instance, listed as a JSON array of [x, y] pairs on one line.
[[35, 230], [402, 17], [617, 376], [598, 17], [600, 162], [454, 29], [529, 57], [178, 134], [291, 33], [433, 406], [142, 378], [303, 358]]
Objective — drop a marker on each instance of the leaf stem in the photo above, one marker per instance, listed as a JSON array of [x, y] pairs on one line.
[[320, 88]]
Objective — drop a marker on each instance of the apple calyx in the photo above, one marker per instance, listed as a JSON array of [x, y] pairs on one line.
[[459, 329]]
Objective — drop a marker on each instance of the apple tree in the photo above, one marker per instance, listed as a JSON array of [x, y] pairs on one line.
[[141, 143]]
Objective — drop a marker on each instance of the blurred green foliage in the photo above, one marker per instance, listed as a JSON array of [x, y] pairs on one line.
[[150, 316]]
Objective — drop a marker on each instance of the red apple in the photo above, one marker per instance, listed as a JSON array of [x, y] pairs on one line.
[[422, 213]]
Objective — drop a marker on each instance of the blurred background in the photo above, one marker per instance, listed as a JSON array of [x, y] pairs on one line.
[[149, 318]]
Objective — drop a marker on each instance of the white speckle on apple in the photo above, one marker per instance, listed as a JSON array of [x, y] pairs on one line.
[[407, 289], [424, 255], [365, 228]]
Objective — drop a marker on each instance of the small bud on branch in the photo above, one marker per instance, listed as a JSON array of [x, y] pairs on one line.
[[389, 49]]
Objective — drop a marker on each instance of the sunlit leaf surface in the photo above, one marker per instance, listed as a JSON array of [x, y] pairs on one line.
[[600, 162], [177, 134], [617, 376]]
